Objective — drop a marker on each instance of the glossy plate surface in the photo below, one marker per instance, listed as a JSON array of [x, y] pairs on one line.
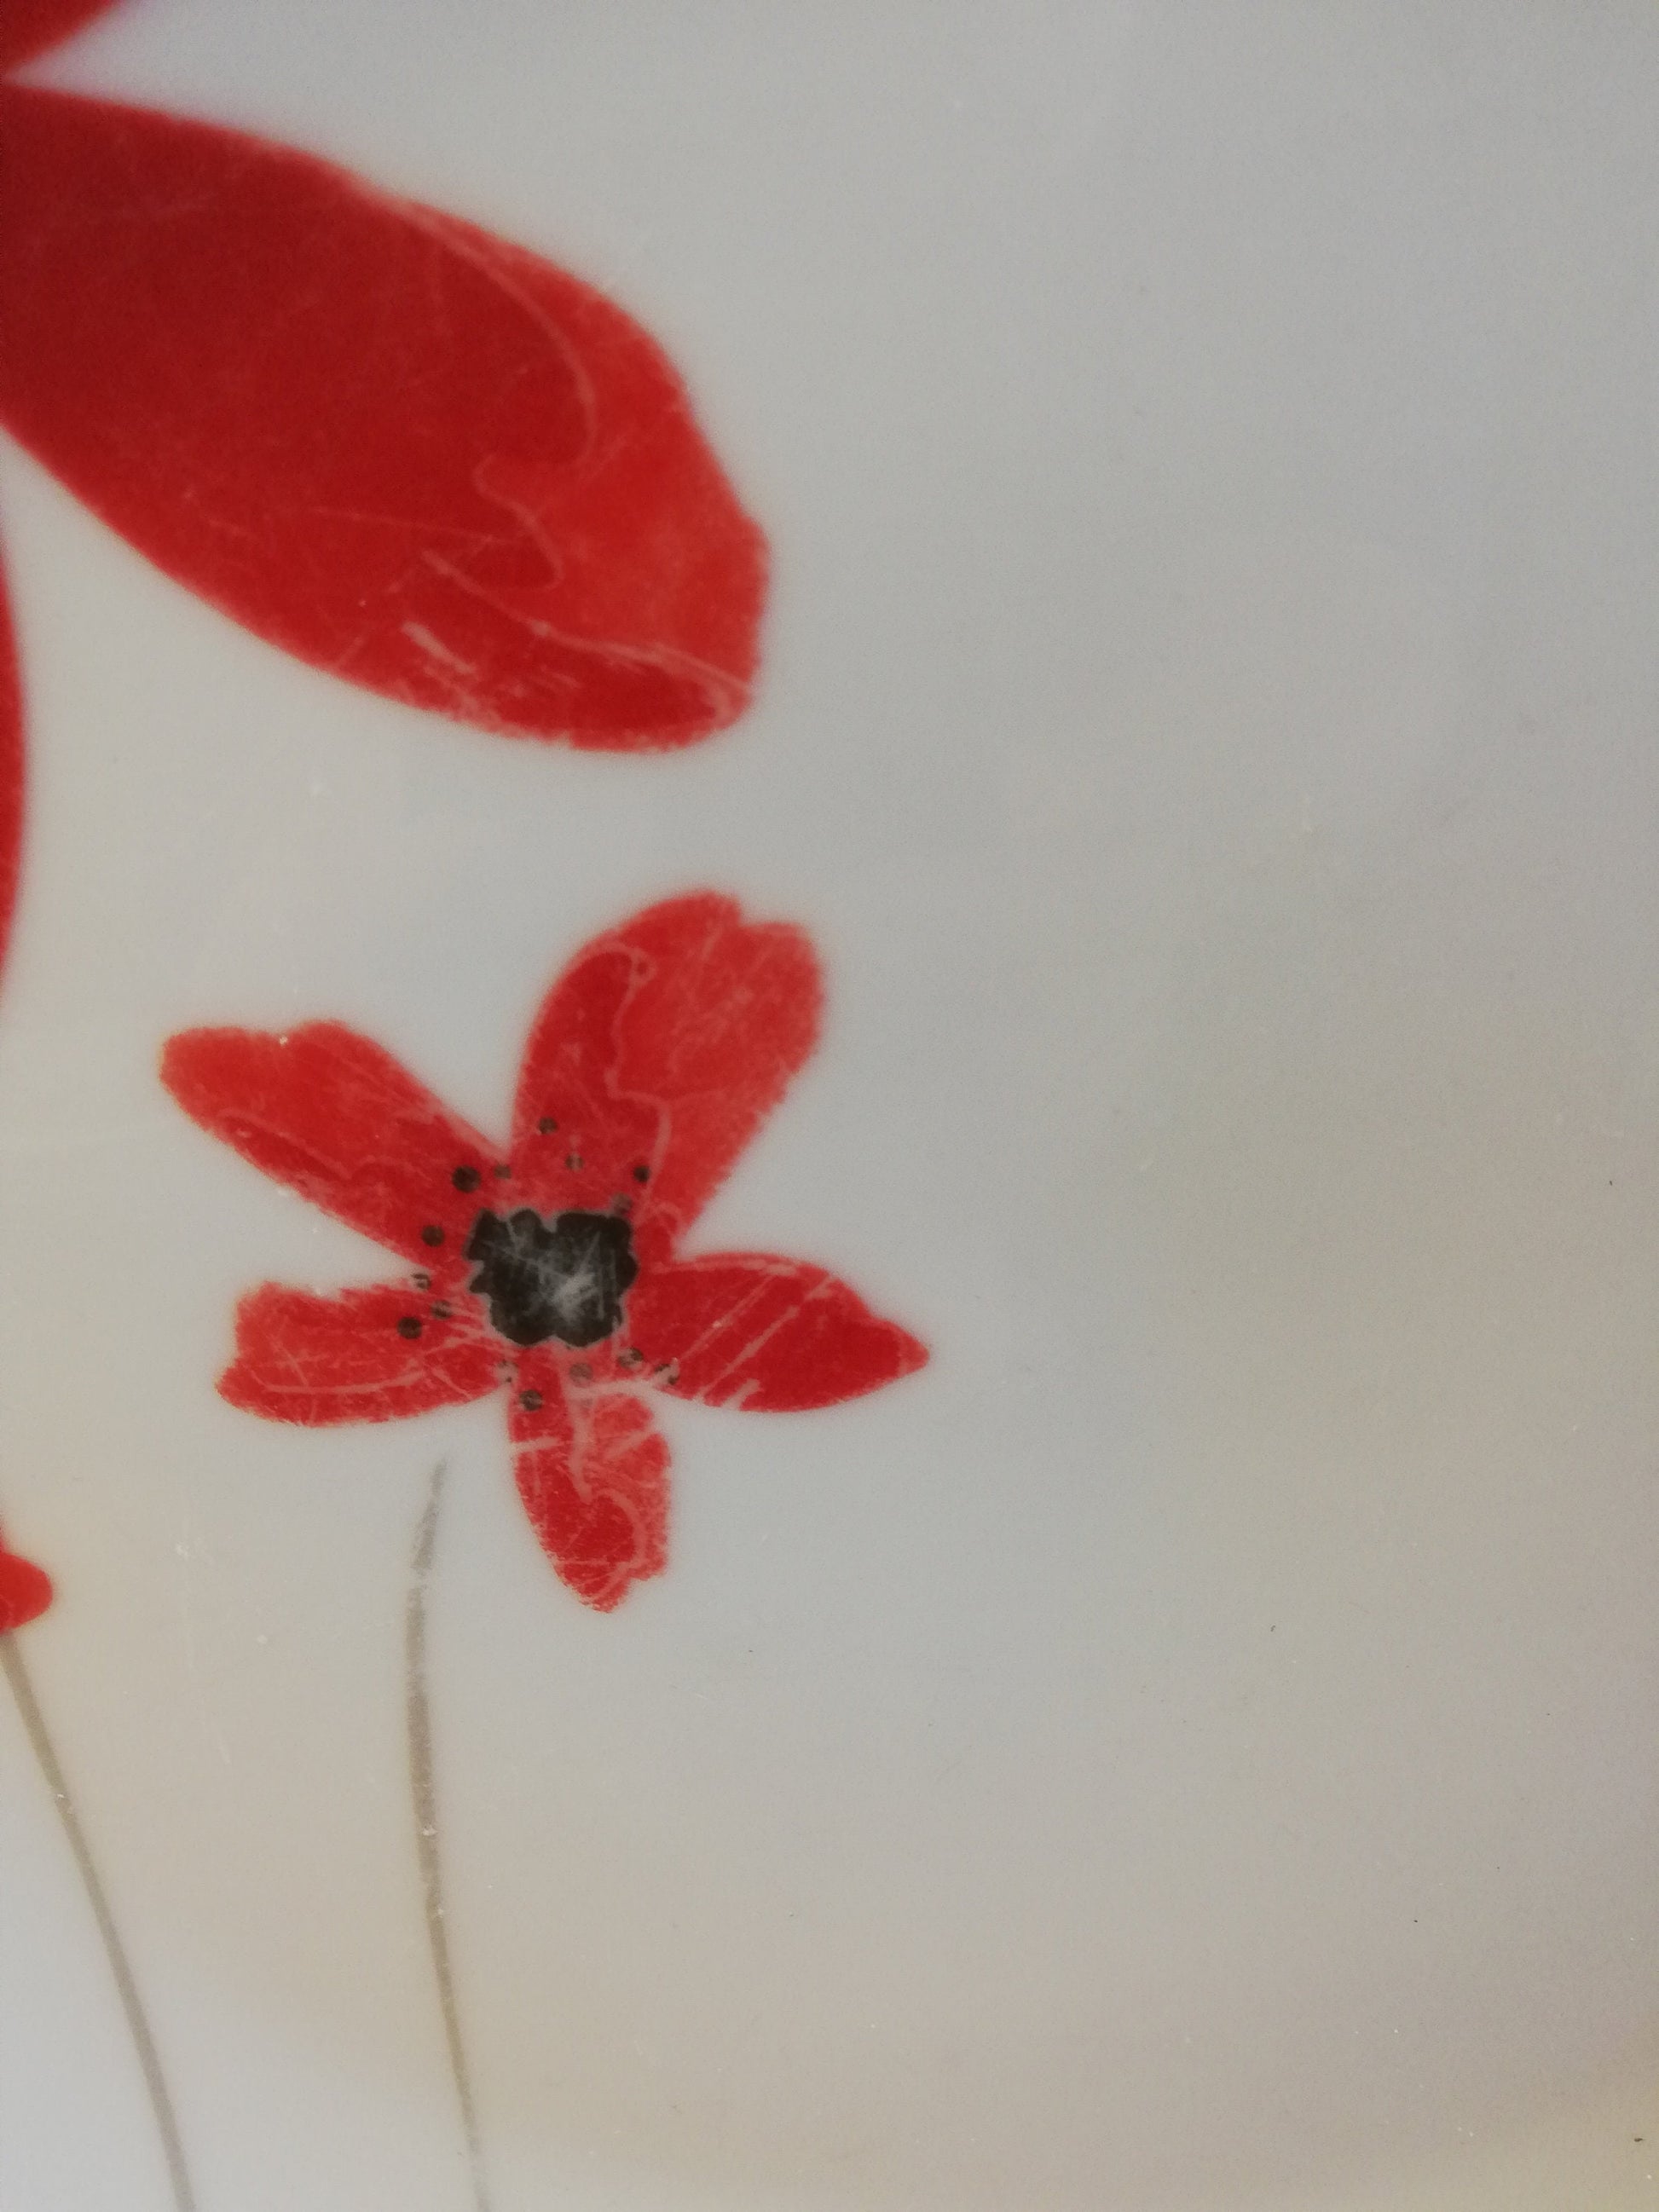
[[1193, 1746]]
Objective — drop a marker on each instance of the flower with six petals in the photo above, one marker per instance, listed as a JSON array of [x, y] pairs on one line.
[[550, 1267]]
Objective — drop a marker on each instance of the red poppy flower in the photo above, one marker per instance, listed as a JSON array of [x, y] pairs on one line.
[[550, 1267], [25, 1590], [392, 445]]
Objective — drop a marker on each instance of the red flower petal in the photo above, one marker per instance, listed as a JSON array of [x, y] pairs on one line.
[[25, 1591], [372, 1354], [388, 443], [338, 1120], [663, 1046], [11, 771], [593, 1472], [577, 1135], [774, 1336], [28, 27]]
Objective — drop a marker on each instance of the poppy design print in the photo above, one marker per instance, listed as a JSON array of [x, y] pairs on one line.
[[406, 451], [550, 1268], [438, 467]]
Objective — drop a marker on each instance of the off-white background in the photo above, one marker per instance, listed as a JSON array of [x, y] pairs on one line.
[[1195, 1748]]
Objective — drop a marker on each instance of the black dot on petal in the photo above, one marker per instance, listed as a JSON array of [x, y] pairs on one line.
[[409, 1325], [466, 1178], [443, 1312], [547, 1125], [501, 1170], [531, 1400], [573, 1160], [630, 1359], [642, 1174], [423, 1282], [432, 1234]]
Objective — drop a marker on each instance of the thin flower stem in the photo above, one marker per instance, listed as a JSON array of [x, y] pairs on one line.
[[138, 2026], [423, 1790]]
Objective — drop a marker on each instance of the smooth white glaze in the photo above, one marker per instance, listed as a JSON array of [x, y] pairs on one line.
[[1195, 1746]]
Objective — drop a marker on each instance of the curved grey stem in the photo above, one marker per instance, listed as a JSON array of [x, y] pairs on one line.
[[424, 1792], [138, 2026]]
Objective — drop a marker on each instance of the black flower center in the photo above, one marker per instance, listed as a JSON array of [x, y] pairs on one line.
[[562, 1278]]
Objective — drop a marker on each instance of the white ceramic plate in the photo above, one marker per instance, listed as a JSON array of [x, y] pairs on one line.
[[1193, 1746]]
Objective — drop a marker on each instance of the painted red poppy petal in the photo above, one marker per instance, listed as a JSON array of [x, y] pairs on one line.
[[658, 1053], [392, 444], [11, 771], [668, 556], [375, 1353], [592, 1469], [771, 1335], [25, 1591], [578, 1137], [28, 27], [337, 1119]]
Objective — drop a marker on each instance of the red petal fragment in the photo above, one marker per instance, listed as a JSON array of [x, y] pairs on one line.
[[593, 1471], [662, 1047], [25, 1591], [321, 1361], [338, 1120], [387, 442], [11, 771], [577, 1136], [645, 533], [28, 27], [774, 1336]]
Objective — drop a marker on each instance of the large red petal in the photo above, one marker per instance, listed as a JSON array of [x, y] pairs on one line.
[[372, 1354], [326, 1112], [25, 1591], [658, 1054], [28, 27], [774, 1336], [592, 1469], [385, 441]]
